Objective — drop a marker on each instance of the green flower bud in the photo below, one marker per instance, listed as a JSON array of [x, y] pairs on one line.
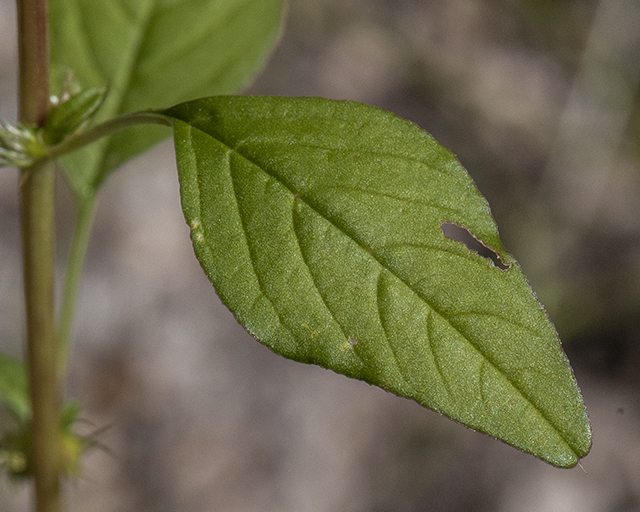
[[69, 116]]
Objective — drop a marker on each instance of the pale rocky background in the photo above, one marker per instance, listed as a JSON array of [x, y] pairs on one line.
[[540, 101]]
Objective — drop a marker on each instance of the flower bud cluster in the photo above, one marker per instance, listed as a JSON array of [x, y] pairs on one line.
[[20, 146]]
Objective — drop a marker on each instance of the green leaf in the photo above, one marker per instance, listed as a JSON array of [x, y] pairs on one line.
[[71, 114], [14, 390], [153, 53], [320, 223]]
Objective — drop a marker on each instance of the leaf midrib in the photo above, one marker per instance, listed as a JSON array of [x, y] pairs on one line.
[[126, 74]]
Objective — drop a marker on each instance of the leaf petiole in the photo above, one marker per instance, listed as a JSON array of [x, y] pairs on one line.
[[75, 263], [82, 139]]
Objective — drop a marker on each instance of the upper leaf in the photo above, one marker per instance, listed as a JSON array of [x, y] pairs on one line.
[[153, 53], [71, 114], [320, 224]]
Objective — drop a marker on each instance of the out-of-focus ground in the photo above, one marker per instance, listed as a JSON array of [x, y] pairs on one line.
[[540, 101]]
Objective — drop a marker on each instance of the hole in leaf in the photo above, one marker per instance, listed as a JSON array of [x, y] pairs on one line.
[[463, 235]]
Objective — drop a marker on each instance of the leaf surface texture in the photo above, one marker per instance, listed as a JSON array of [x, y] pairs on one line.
[[319, 223]]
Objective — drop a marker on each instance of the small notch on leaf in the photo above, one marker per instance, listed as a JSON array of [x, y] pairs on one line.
[[459, 234]]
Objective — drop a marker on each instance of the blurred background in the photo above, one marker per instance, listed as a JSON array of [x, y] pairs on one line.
[[540, 100]]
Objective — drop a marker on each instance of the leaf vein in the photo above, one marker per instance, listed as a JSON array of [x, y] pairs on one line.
[[250, 249], [397, 198], [493, 315], [425, 246], [127, 76], [434, 353], [277, 142], [313, 278], [89, 46], [386, 332]]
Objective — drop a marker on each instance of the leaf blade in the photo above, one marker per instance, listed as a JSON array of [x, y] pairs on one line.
[[131, 47], [319, 223]]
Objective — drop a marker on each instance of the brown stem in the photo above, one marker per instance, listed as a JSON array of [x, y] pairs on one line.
[[38, 231], [33, 55]]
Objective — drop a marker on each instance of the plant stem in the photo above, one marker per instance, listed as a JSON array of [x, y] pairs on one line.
[[78, 250], [33, 56], [38, 242], [38, 232]]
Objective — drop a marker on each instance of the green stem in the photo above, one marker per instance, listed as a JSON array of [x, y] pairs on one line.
[[38, 234], [78, 250], [38, 242]]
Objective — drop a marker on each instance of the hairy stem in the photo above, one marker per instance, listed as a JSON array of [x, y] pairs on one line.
[[38, 232]]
